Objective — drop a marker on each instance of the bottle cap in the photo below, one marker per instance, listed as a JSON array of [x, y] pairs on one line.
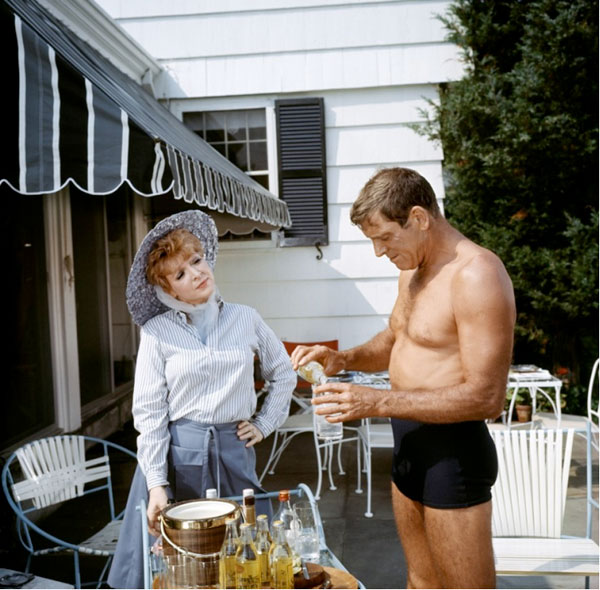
[[247, 492], [284, 495], [211, 493]]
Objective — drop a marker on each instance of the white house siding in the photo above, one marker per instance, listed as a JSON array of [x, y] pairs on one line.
[[374, 63]]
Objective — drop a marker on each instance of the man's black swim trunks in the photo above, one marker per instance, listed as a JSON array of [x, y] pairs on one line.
[[444, 465]]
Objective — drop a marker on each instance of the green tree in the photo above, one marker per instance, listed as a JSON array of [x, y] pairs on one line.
[[520, 140]]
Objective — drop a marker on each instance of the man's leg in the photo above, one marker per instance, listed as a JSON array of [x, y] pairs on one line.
[[461, 545], [411, 529]]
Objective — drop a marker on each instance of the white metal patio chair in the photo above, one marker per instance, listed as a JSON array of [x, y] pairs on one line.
[[528, 501], [54, 470], [304, 423]]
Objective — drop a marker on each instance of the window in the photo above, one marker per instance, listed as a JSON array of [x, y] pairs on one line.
[[241, 136]]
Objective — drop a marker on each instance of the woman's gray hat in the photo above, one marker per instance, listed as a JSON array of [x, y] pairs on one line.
[[141, 295]]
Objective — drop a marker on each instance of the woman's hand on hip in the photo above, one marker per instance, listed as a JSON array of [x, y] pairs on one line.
[[157, 500], [248, 431]]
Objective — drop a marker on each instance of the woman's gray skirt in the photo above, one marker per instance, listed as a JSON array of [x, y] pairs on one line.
[[201, 456]]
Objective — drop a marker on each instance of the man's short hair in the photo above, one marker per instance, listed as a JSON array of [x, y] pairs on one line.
[[177, 245], [393, 192]]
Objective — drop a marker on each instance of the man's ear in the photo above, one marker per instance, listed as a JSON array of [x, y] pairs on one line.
[[420, 217]]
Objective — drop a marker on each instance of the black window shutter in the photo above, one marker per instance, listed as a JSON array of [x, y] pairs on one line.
[[302, 169]]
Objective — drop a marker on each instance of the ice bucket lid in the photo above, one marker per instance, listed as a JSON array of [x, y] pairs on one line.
[[199, 514]]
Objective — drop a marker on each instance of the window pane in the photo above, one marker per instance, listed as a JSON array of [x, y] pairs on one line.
[[119, 261], [91, 295], [220, 147], [236, 126], [195, 121], [238, 155], [257, 126], [258, 155], [28, 400], [215, 127], [262, 179]]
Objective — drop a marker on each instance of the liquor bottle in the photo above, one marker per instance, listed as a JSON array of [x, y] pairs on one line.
[[211, 493], [287, 516], [247, 567], [227, 561], [280, 559], [249, 509], [263, 545], [313, 372]]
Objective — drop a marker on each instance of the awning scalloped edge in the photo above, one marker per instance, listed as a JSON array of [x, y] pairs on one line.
[[195, 181]]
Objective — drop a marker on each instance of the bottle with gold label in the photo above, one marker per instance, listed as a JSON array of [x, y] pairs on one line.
[[228, 555], [247, 567], [263, 545], [280, 559]]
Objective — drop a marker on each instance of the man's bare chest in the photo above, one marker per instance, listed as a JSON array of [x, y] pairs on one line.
[[423, 313]]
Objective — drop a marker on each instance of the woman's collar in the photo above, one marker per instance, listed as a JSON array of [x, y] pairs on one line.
[[189, 308]]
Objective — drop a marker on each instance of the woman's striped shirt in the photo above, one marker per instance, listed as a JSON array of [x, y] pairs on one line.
[[177, 376]]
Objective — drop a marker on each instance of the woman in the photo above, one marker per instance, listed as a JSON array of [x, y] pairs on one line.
[[193, 398]]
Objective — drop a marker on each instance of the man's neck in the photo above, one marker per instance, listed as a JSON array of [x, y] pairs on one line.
[[441, 244]]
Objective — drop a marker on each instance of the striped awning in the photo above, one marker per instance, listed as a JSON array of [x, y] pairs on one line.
[[73, 117]]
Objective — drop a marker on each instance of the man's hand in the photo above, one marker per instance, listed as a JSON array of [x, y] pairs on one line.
[[248, 431], [333, 361], [157, 500], [353, 401]]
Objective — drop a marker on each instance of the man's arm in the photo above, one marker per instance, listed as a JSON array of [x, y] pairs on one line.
[[484, 311], [371, 356]]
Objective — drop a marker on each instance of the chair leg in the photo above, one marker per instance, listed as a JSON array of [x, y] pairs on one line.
[[329, 447], [368, 513], [285, 441], [77, 572], [339, 457], [28, 564], [319, 471], [104, 571], [359, 446], [270, 459]]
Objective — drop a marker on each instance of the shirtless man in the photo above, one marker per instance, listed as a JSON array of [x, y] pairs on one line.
[[448, 348]]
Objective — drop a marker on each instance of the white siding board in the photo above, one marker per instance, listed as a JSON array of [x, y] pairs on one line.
[[132, 9], [377, 106], [348, 260], [290, 30], [312, 299], [295, 72], [394, 143]]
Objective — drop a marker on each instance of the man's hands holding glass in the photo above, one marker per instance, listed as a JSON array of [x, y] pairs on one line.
[[349, 400]]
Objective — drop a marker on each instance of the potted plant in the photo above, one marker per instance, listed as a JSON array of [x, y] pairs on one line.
[[522, 403]]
